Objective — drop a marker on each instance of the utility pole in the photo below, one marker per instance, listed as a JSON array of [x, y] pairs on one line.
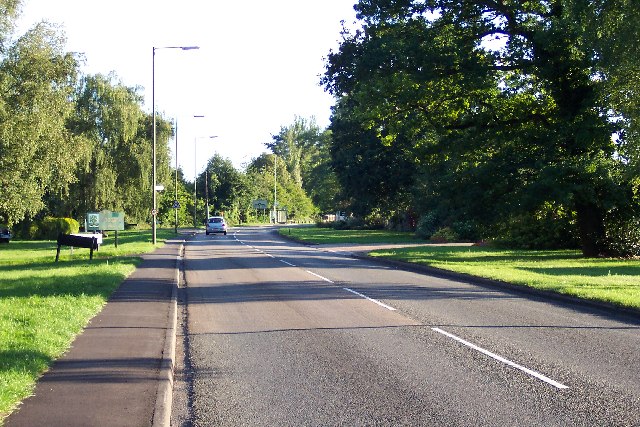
[[176, 182], [206, 191]]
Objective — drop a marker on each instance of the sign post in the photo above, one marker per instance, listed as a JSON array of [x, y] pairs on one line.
[[112, 221], [260, 204], [105, 221]]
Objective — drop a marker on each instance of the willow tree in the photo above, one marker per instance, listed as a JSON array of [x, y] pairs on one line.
[[116, 171], [37, 152]]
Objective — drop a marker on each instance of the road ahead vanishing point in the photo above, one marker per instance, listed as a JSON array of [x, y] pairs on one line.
[[277, 333]]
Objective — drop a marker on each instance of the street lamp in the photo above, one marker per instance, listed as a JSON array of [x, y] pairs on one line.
[[275, 189], [195, 173], [175, 200], [154, 210]]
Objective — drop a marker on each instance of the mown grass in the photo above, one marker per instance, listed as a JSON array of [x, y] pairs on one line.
[[44, 304], [614, 281], [318, 235]]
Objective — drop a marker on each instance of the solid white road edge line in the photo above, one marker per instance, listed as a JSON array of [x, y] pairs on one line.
[[503, 360], [381, 304]]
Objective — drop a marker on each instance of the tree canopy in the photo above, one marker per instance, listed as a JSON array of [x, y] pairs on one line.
[[69, 143], [73, 143], [304, 149], [503, 108], [37, 79]]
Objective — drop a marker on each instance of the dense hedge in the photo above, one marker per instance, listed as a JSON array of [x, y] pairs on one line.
[[50, 227]]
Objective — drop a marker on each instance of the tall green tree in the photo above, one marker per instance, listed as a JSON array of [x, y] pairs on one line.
[[504, 103], [374, 175], [321, 183], [225, 185], [295, 145], [166, 211], [37, 154], [304, 149], [117, 169], [9, 11], [290, 196]]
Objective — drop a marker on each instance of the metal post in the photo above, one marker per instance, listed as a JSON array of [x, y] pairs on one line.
[[195, 180], [176, 181], [153, 102], [206, 190]]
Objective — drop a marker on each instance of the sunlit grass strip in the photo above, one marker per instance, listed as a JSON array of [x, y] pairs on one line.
[[318, 235], [41, 312], [44, 305], [610, 280]]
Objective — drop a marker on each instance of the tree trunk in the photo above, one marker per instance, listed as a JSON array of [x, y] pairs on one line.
[[591, 228]]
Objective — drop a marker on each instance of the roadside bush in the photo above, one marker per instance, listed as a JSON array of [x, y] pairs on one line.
[[50, 227], [32, 231], [375, 220], [623, 237], [467, 230], [550, 228], [339, 225], [444, 235], [427, 225], [350, 223], [355, 223], [402, 220]]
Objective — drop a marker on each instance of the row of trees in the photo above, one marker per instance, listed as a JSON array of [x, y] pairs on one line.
[[69, 143], [514, 120], [232, 192], [297, 172], [72, 144]]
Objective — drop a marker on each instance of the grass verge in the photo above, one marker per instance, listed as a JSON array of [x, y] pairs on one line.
[[614, 281], [318, 235], [567, 272], [44, 305]]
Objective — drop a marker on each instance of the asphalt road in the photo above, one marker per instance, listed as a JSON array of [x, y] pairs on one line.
[[277, 333]]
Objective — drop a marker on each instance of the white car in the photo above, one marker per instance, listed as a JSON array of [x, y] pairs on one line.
[[216, 224]]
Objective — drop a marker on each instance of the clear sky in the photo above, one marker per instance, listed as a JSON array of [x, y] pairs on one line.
[[258, 65]]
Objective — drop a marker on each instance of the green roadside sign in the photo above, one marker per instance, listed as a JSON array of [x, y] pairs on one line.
[[93, 221], [105, 221], [111, 221]]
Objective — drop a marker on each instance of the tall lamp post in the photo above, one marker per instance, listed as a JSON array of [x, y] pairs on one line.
[[275, 189], [195, 173], [175, 200], [154, 210]]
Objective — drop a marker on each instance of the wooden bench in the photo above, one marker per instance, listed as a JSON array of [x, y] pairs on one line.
[[89, 241], [98, 236]]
